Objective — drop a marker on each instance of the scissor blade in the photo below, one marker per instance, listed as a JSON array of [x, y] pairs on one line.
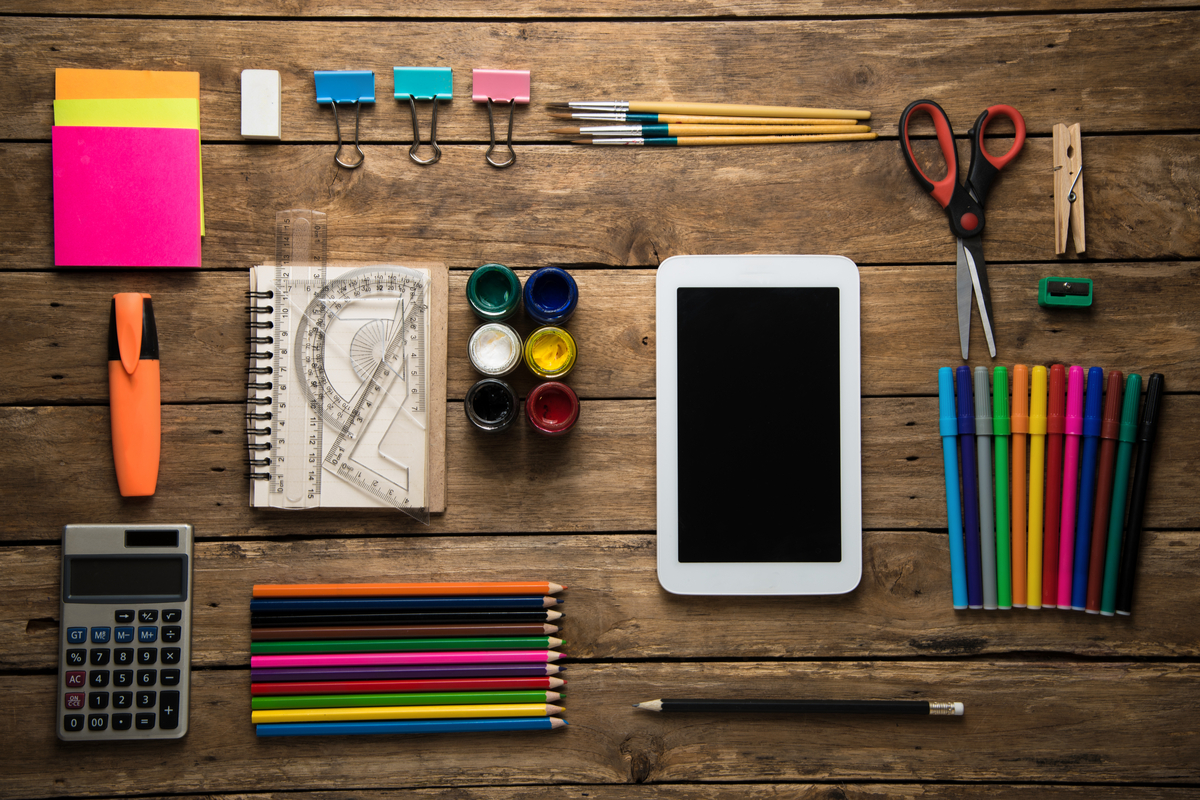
[[964, 300], [973, 248]]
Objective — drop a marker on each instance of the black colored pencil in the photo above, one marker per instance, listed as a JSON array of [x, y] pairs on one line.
[[924, 707], [308, 619]]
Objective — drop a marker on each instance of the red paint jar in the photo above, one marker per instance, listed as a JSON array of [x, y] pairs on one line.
[[552, 408]]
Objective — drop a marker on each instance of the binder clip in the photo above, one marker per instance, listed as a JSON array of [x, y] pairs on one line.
[[423, 83], [1068, 188], [345, 87], [500, 86]]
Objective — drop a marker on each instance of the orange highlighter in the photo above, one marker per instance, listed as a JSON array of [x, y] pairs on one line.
[[133, 393]]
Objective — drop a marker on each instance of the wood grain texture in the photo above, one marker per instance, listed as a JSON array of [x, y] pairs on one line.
[[1058, 719], [614, 608]]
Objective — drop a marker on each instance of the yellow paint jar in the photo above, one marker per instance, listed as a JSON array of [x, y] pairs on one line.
[[550, 352]]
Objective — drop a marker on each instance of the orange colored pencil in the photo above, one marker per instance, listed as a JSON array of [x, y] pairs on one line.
[[1020, 429], [405, 589]]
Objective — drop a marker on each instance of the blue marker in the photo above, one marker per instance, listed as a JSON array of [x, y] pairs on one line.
[[970, 485], [948, 428], [1092, 421]]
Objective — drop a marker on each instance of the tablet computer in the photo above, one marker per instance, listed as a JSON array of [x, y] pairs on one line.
[[759, 425]]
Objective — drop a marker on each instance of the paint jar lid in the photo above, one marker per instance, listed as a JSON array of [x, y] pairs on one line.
[[494, 349], [494, 292], [551, 296], [492, 405], [552, 408], [550, 352]]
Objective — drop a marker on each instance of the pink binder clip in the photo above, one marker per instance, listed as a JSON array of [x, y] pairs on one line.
[[500, 86]]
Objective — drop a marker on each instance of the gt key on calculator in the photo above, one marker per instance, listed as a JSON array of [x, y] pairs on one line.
[[126, 633]]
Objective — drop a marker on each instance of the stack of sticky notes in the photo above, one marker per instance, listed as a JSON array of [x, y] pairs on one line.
[[127, 181]]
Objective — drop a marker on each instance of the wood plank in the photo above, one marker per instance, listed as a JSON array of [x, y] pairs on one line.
[[614, 608], [599, 478], [791, 791], [1114, 72], [1044, 721], [58, 334]]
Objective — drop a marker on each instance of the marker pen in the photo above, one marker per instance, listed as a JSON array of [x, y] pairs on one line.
[[948, 429], [1037, 457], [1109, 428], [1147, 428], [987, 520], [1094, 404], [1070, 496], [133, 393], [1002, 427], [970, 486], [1056, 426], [1020, 442], [1126, 433]]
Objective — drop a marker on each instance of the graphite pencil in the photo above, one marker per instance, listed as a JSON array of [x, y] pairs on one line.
[[926, 707]]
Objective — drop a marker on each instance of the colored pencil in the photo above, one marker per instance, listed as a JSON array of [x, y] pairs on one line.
[[407, 659], [401, 631], [1037, 457], [466, 616], [1070, 502], [965, 405], [405, 686], [396, 726], [700, 141], [923, 707], [329, 604], [1056, 427], [692, 119], [948, 429], [987, 516], [390, 673], [1020, 436], [455, 589], [1126, 435], [1146, 431], [674, 129], [404, 712], [399, 645], [1002, 428], [1109, 437], [400, 699], [715, 109], [1092, 415]]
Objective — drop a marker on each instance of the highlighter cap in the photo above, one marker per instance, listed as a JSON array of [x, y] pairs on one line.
[[966, 410], [947, 419], [1151, 408], [1129, 409], [147, 350], [1094, 403], [1020, 399], [1112, 405], [1037, 402], [983, 402], [1000, 421], [1056, 409], [1075, 401]]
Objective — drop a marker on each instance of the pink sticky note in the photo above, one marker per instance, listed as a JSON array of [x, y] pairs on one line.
[[126, 197]]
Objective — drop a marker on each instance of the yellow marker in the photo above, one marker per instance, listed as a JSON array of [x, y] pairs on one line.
[[403, 712], [550, 352], [1037, 459]]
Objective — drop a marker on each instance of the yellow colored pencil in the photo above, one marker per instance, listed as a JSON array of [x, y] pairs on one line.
[[473, 711], [1037, 478]]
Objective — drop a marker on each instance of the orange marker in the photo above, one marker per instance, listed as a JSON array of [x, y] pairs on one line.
[[133, 393], [1020, 429]]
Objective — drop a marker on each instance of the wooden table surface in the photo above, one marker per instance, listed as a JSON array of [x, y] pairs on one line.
[[1058, 703]]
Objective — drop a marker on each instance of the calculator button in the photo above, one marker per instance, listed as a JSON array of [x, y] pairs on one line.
[[172, 614], [170, 655], [76, 635], [148, 635], [73, 723], [171, 633], [122, 722], [123, 656], [148, 615], [146, 699], [101, 635], [123, 677], [76, 658], [122, 699], [147, 656], [169, 677], [98, 701], [98, 678], [73, 700], [100, 656], [123, 615], [76, 678], [144, 721], [123, 635], [168, 716], [97, 722], [147, 677]]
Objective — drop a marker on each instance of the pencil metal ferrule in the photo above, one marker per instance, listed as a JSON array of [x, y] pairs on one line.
[[944, 709]]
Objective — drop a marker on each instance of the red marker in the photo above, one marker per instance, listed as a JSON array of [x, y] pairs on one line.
[[1056, 426], [133, 393]]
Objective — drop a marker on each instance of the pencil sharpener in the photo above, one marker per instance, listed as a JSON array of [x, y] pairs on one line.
[[1065, 292]]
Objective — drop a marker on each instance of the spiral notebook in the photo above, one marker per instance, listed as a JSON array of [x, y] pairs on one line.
[[347, 387]]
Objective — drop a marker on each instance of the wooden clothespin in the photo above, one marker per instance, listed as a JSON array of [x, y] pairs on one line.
[[1068, 188]]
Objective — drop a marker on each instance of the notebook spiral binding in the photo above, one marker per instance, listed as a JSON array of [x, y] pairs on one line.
[[254, 386]]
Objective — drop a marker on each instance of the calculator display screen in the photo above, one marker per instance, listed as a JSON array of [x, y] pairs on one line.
[[103, 578]]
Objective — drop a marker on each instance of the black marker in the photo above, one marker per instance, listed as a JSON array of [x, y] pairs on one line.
[[1137, 501]]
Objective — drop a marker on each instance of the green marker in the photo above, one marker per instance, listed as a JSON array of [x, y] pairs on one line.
[[400, 699], [404, 645], [1002, 429], [1116, 518]]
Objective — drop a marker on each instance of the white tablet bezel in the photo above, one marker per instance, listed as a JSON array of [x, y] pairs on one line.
[[755, 578]]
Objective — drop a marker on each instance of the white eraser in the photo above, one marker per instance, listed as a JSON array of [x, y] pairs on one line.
[[261, 112], [959, 709]]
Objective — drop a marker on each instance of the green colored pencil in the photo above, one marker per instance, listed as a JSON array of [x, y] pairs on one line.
[[404, 645], [402, 699], [1002, 427]]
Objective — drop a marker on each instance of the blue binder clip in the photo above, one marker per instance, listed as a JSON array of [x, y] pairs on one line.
[[423, 83], [347, 86]]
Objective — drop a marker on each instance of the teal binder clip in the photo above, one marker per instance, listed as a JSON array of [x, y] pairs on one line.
[[342, 88], [423, 83]]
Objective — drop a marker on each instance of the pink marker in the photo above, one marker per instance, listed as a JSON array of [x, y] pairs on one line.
[[392, 659], [1070, 499]]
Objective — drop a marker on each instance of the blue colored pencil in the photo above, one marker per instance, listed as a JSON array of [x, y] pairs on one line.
[[410, 726]]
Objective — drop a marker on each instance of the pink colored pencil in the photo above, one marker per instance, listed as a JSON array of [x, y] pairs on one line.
[[392, 659], [1070, 492]]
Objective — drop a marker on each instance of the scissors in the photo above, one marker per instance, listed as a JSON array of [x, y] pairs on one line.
[[964, 204]]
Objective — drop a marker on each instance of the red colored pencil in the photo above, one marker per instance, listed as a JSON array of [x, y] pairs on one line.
[[414, 685]]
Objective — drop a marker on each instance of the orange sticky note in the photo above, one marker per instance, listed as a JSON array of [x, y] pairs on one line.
[[97, 84]]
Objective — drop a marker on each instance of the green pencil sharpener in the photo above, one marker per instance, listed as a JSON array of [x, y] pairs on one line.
[[1065, 293]]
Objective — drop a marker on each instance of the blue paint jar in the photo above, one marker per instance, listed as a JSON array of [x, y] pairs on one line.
[[551, 296]]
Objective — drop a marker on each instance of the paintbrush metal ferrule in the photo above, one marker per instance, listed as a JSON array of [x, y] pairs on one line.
[[589, 117], [611, 140], [599, 105]]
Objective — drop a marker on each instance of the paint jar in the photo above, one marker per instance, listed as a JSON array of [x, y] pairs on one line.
[[492, 405], [552, 408], [550, 352], [494, 349], [494, 292], [551, 296]]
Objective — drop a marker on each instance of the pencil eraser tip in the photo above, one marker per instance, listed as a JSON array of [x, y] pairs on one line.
[[959, 708]]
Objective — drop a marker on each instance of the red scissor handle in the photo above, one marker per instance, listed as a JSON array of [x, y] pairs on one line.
[[943, 189], [984, 165]]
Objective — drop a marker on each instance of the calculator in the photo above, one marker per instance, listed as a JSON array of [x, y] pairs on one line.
[[126, 631]]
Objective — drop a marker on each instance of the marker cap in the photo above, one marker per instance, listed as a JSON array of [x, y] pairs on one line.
[[1094, 402], [964, 401], [983, 402], [947, 419], [1037, 402], [1056, 409], [1151, 408], [1129, 409], [1111, 425], [1000, 419], [1075, 401], [1020, 399]]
